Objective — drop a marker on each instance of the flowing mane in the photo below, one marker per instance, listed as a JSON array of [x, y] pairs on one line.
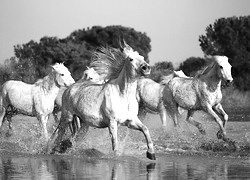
[[112, 63], [47, 82], [205, 69]]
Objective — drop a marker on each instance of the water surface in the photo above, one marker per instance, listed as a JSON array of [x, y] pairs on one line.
[[182, 153]]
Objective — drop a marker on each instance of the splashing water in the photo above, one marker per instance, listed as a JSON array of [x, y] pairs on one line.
[[184, 139]]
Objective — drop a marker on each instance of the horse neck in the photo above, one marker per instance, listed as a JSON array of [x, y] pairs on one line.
[[124, 80], [212, 78], [49, 85]]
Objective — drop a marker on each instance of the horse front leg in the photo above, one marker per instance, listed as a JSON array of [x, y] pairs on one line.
[[221, 111], [191, 120], [222, 132], [138, 125], [43, 121], [113, 133]]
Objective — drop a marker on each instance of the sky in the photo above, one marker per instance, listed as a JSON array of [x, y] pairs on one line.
[[174, 26]]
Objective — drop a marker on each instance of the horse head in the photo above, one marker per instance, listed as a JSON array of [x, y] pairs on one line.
[[224, 68], [137, 60], [62, 75], [91, 75]]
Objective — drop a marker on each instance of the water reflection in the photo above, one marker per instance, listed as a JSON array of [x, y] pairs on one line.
[[61, 167], [56, 167]]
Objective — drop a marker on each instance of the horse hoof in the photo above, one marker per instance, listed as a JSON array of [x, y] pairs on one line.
[[220, 135], [151, 156]]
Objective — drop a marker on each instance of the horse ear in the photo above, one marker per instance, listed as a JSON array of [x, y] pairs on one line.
[[54, 66], [127, 49], [121, 46]]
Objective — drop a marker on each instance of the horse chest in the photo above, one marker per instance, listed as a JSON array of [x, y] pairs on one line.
[[121, 105], [44, 103], [211, 95]]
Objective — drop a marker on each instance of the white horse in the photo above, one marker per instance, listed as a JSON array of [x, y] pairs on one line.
[[109, 104], [89, 75], [202, 92], [35, 99]]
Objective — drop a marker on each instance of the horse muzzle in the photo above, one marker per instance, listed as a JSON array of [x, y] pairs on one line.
[[70, 82], [229, 82], [145, 69]]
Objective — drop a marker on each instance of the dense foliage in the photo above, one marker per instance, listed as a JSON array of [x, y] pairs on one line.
[[227, 36], [191, 65], [231, 37], [33, 59]]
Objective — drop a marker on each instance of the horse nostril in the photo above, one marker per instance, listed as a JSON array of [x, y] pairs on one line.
[[144, 68]]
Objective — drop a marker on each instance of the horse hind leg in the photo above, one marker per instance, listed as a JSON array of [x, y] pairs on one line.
[[195, 123], [81, 128]]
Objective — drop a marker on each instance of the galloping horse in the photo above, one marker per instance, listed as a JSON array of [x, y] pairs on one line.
[[202, 92], [35, 99], [108, 104]]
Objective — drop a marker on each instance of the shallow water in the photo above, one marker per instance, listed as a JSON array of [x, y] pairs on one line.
[[182, 153], [124, 167]]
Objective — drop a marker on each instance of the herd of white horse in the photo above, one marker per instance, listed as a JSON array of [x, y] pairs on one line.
[[115, 90]]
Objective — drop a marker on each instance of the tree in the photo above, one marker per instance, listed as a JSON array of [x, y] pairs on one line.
[[191, 65], [112, 36], [76, 49], [230, 37]]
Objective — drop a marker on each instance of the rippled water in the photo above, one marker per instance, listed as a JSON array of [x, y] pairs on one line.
[[182, 153], [166, 167]]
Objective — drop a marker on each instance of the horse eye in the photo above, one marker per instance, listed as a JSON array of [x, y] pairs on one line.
[[62, 74], [221, 67], [131, 59]]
